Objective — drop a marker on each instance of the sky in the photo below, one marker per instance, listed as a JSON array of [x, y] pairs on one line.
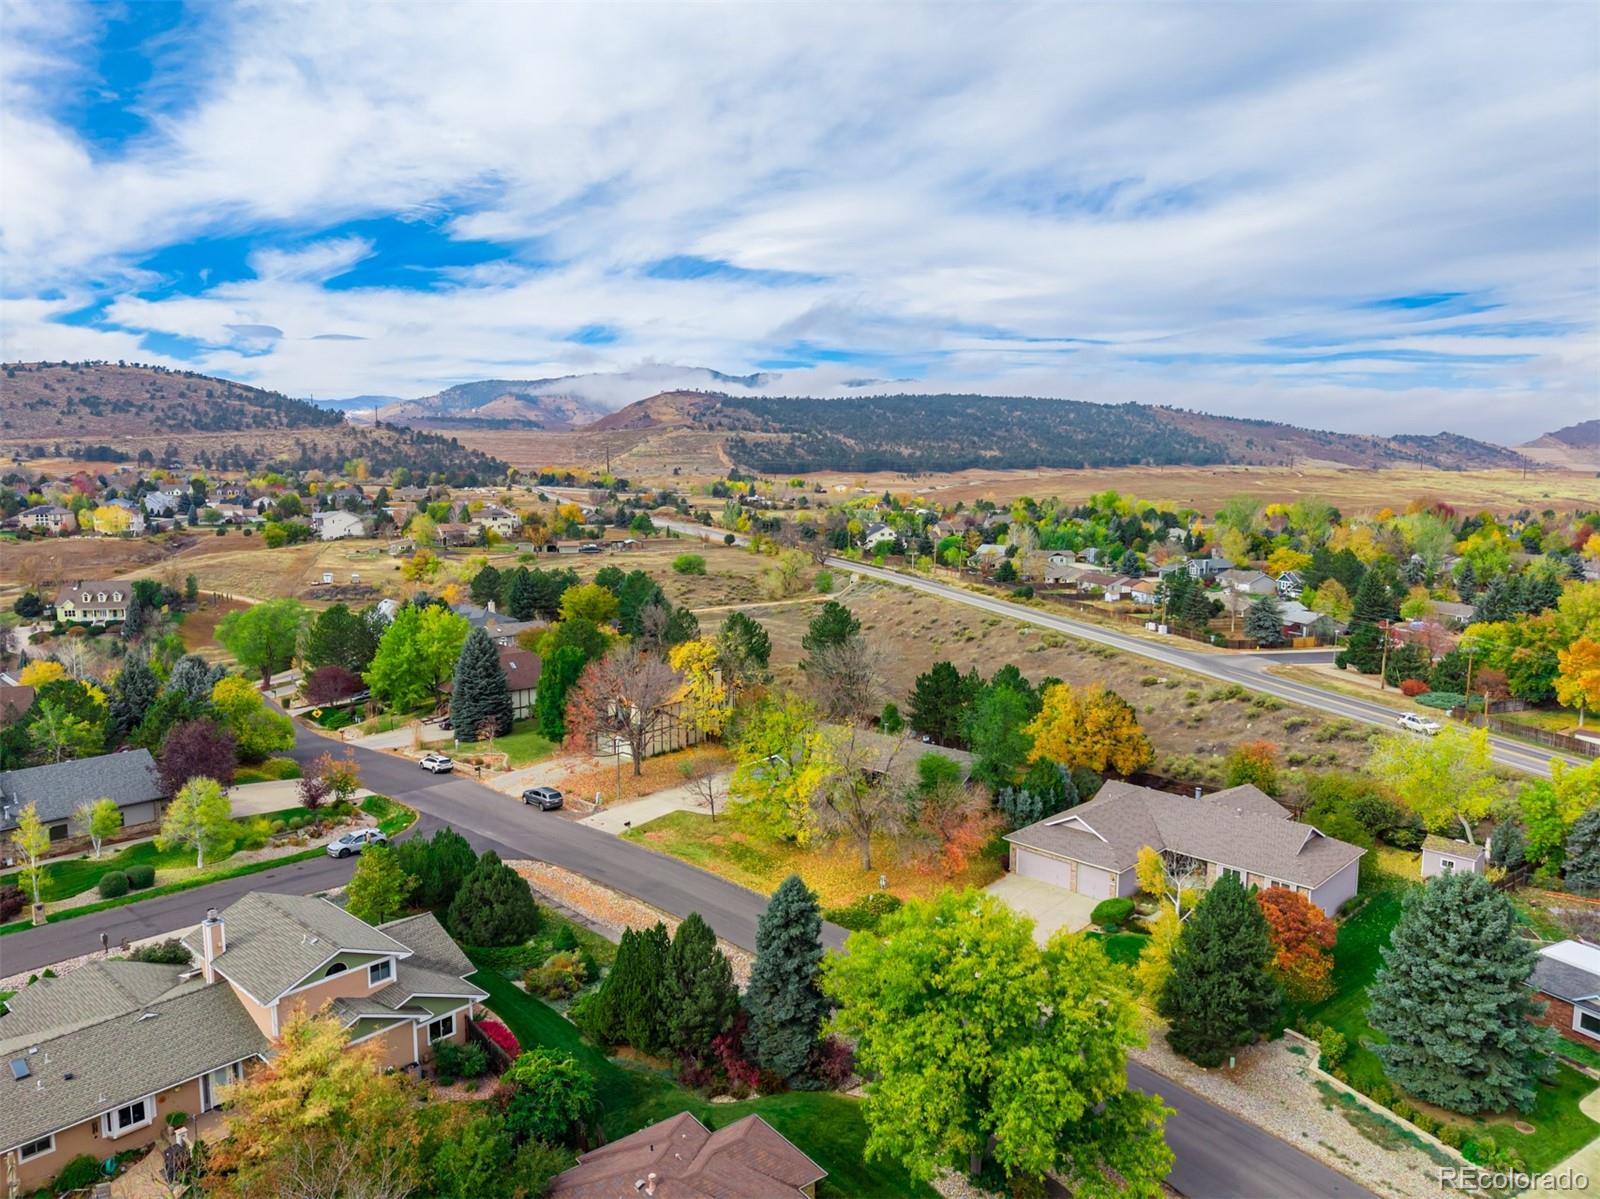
[[1365, 217]]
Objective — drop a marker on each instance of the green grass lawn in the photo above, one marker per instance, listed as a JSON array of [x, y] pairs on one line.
[[272, 770], [828, 1128], [1559, 1127], [1123, 948], [523, 745]]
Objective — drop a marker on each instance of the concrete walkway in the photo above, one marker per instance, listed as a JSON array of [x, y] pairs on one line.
[[617, 818]]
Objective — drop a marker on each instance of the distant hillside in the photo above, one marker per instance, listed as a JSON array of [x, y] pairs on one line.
[[567, 402], [120, 412], [921, 433], [1576, 447]]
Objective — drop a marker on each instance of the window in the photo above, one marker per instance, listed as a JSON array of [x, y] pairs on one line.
[[1446, 866], [380, 972], [444, 1026], [33, 1149], [1587, 1022], [1233, 873], [336, 968], [124, 1119]]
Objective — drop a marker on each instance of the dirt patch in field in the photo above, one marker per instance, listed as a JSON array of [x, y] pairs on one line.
[[199, 628]]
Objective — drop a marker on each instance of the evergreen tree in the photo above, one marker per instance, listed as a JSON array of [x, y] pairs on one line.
[[1363, 651], [440, 864], [1197, 609], [522, 596], [1220, 995], [135, 691], [193, 678], [1264, 621], [699, 992], [1374, 601], [834, 624], [560, 672], [743, 639], [1452, 998], [1467, 583], [493, 906], [785, 999], [636, 990], [486, 586], [136, 618], [1409, 661], [1494, 603], [938, 701], [1508, 845], [481, 695], [1583, 853]]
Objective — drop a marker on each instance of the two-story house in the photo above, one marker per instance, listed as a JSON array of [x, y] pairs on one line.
[[91, 602], [99, 1058], [47, 518]]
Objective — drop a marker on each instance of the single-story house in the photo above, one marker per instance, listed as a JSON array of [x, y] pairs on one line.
[[1452, 614], [1291, 585], [1092, 849], [1566, 976], [1143, 593], [1441, 855], [521, 669], [15, 700], [502, 628], [128, 778], [334, 525], [986, 556], [1299, 619], [101, 1056], [681, 1158], [1248, 582], [93, 602]]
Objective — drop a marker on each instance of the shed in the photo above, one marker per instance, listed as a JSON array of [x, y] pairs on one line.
[[1441, 855]]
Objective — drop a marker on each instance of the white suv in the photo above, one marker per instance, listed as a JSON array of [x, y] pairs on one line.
[[437, 763], [1416, 723], [355, 841]]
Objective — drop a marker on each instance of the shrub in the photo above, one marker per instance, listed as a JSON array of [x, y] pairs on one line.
[[1441, 699], [555, 1097], [12, 901], [834, 1063], [81, 1173], [689, 564], [1450, 1135], [177, 1119], [170, 952], [1025, 592], [1335, 1047], [560, 977], [113, 883], [565, 940], [501, 1036], [140, 875], [452, 1061], [1413, 687], [824, 582], [1112, 914], [865, 913]]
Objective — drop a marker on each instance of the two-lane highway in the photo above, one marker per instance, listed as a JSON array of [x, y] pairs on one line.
[[1246, 669]]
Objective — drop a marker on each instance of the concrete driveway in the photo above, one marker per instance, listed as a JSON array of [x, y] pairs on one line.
[[1049, 907]]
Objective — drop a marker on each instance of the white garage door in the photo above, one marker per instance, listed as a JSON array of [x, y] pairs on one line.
[[1047, 870], [1094, 881]]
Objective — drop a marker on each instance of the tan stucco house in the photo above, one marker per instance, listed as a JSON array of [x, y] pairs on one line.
[[1092, 849], [98, 1059]]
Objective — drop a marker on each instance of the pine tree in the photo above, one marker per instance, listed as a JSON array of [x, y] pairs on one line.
[[699, 992], [1452, 999], [481, 695], [1363, 651], [785, 999], [937, 704], [1508, 845], [1374, 602], [134, 693], [834, 624], [1264, 621], [493, 906], [522, 594], [1583, 853], [1219, 995], [440, 864]]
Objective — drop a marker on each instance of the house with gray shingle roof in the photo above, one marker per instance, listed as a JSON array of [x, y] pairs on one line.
[[129, 778], [1092, 849], [1567, 978], [99, 1057]]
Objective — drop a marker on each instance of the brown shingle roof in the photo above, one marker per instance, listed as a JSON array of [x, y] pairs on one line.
[[521, 667], [746, 1160], [1232, 828]]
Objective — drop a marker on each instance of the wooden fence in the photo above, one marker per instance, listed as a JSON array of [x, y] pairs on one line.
[[1528, 732]]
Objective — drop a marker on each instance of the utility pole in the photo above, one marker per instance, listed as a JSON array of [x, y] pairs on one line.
[[1383, 662]]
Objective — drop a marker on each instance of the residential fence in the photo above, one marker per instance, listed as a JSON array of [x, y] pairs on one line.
[[1580, 746]]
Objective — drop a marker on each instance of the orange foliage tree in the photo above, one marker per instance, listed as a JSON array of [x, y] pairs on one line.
[[1253, 762], [1093, 727], [1302, 943]]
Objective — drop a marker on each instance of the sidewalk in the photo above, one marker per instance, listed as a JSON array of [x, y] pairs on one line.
[[617, 818]]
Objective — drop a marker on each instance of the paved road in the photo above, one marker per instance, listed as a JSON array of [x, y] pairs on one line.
[[1246, 669]]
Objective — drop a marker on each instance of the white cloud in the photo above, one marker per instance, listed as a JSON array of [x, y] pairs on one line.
[[1199, 181]]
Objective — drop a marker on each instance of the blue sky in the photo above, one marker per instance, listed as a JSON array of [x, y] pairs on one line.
[[1369, 217]]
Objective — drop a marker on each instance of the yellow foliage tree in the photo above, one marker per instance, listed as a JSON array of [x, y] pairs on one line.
[[1182, 891], [1285, 559], [1578, 683], [1093, 727], [1155, 963], [705, 695], [110, 520], [37, 674]]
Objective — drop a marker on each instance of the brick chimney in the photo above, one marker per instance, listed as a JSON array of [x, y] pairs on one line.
[[213, 942]]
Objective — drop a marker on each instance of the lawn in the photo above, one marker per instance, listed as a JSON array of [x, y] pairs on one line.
[[747, 855], [1124, 948], [828, 1128], [270, 771], [1560, 1128], [523, 746]]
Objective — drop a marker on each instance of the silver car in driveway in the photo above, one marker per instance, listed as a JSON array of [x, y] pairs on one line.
[[355, 841]]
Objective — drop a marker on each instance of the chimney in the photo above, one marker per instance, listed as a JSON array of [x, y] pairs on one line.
[[213, 942]]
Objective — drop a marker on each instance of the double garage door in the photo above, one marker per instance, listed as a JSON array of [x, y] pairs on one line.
[[1072, 876]]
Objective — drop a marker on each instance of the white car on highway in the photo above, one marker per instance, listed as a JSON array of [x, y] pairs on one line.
[[1415, 722]]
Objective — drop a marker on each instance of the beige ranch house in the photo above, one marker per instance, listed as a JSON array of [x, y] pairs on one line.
[[98, 1059], [1092, 849]]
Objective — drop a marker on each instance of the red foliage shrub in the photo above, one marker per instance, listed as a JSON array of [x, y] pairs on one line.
[[500, 1036], [1413, 687], [12, 901], [743, 1075], [834, 1063], [329, 683]]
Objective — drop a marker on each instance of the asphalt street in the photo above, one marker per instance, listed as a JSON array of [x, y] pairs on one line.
[[1246, 669]]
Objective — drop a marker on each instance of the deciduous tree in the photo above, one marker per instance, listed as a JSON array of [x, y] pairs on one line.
[[96, 819], [1550, 807], [31, 840], [783, 757], [1302, 943], [706, 702], [1031, 1044], [1578, 683], [625, 696], [257, 732], [1443, 779], [1453, 1002], [380, 887], [201, 815], [263, 637], [196, 749], [1091, 727], [554, 1097], [58, 735], [556, 678], [589, 601]]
